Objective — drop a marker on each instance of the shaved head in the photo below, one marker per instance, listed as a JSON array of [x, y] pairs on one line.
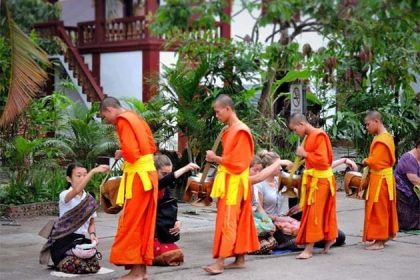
[[299, 124], [110, 109], [374, 123], [225, 101], [374, 115], [109, 102], [297, 118]]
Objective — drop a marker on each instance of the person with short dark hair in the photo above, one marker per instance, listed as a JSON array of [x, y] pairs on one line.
[[381, 220], [76, 221], [138, 190], [235, 232], [318, 199]]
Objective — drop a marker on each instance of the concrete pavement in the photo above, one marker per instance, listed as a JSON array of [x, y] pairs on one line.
[[20, 245]]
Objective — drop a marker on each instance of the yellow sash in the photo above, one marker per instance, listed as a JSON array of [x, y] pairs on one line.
[[141, 167], [386, 174], [315, 174], [219, 185]]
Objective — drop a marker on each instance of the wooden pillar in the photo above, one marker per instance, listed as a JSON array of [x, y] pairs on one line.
[[151, 6], [225, 29], [100, 17], [151, 57]]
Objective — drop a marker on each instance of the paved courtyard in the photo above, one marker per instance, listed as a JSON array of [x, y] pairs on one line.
[[20, 245]]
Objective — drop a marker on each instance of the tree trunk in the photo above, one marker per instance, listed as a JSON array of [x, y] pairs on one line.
[[277, 66]]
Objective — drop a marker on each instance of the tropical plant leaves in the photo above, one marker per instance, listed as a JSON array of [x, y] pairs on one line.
[[27, 76]]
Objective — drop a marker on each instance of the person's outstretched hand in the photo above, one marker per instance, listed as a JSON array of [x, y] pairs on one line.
[[351, 164], [192, 166], [118, 154], [101, 168], [294, 210]]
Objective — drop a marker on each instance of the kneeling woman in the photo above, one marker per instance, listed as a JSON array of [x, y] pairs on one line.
[[166, 252], [67, 234]]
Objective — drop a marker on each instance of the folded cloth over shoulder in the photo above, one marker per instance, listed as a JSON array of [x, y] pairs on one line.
[[66, 225]]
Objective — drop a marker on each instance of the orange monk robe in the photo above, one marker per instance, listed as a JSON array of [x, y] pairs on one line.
[[381, 220], [319, 220], [133, 242], [235, 229]]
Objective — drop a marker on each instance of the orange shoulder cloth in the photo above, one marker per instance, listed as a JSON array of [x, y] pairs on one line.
[[233, 130], [387, 140], [142, 131]]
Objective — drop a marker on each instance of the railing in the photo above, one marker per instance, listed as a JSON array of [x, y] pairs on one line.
[[128, 29], [86, 33], [116, 30], [198, 34], [69, 35], [47, 30], [124, 29], [215, 32], [72, 32]]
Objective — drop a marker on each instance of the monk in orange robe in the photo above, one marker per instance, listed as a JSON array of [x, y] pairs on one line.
[[235, 233], [133, 244], [381, 220], [317, 198]]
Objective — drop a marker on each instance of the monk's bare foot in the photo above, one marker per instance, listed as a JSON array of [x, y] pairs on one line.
[[304, 256], [125, 277], [368, 243], [327, 246], [137, 272], [213, 269], [235, 264], [378, 245], [131, 277]]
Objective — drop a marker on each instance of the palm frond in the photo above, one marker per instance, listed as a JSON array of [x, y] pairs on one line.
[[103, 148], [58, 146], [27, 76]]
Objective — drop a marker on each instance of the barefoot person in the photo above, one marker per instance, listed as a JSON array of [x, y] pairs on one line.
[[166, 251], [381, 222], [77, 213], [133, 244], [318, 200], [235, 233]]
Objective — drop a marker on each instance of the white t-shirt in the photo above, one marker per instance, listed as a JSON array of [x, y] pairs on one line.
[[255, 190], [273, 202], [64, 207]]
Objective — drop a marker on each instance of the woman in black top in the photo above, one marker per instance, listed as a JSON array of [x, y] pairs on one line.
[[167, 225]]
